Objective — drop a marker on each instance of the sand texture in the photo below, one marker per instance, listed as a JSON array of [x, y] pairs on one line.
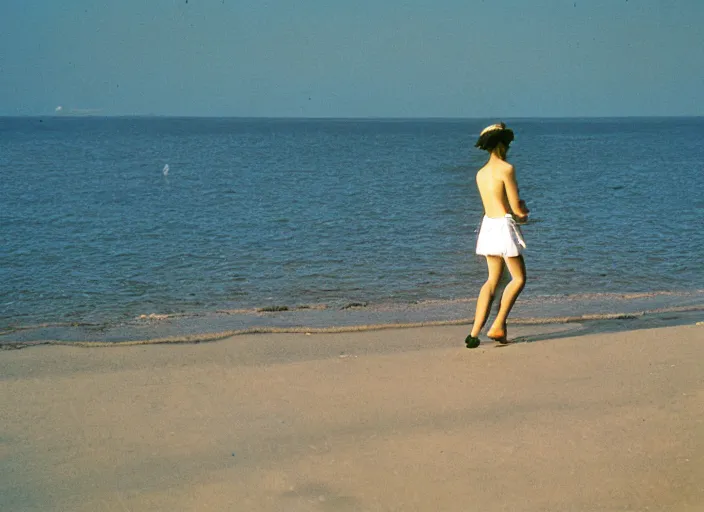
[[397, 420]]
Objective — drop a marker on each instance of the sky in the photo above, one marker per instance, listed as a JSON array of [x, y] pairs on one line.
[[362, 58]]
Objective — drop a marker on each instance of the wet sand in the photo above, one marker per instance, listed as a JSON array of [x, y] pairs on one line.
[[401, 419]]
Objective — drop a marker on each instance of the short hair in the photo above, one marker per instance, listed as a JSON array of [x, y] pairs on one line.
[[492, 135]]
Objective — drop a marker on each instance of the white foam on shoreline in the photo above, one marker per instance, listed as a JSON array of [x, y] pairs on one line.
[[203, 337]]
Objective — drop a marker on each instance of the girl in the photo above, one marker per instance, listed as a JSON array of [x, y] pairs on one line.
[[500, 239]]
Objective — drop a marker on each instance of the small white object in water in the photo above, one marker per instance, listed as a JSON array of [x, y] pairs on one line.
[[166, 170]]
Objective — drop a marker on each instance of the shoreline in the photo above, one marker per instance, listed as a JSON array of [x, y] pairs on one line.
[[399, 419], [603, 310], [579, 325]]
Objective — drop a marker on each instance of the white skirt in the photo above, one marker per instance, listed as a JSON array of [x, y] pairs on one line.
[[500, 237]]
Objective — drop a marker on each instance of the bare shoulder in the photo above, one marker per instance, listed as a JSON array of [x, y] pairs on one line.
[[506, 169]]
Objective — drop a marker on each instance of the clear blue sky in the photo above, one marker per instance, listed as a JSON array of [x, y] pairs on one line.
[[362, 58]]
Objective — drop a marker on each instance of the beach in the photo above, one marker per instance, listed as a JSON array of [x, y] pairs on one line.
[[391, 419]]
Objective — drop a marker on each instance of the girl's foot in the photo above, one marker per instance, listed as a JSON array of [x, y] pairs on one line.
[[498, 335], [471, 341]]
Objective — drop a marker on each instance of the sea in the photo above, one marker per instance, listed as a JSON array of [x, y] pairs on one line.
[[139, 229]]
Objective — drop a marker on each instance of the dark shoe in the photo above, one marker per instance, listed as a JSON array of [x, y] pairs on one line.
[[471, 341]]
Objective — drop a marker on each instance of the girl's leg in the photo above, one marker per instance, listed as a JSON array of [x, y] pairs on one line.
[[517, 268], [495, 265]]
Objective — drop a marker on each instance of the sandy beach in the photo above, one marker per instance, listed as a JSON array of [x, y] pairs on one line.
[[402, 419]]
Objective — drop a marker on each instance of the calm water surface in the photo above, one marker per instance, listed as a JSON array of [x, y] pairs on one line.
[[329, 213]]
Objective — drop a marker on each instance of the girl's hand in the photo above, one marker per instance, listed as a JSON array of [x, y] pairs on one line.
[[522, 216], [523, 206]]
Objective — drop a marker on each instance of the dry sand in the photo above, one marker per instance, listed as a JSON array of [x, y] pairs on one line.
[[403, 419]]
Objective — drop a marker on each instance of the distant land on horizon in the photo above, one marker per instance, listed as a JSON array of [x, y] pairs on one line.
[[97, 113]]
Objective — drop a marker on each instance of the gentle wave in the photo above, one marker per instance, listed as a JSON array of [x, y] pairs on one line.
[[605, 298], [203, 337]]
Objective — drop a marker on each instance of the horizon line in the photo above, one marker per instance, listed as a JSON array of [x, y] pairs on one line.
[[342, 118]]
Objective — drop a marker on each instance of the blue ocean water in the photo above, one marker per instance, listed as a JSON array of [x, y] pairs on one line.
[[320, 215]]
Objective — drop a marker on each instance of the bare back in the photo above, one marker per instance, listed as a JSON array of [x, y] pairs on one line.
[[499, 191]]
